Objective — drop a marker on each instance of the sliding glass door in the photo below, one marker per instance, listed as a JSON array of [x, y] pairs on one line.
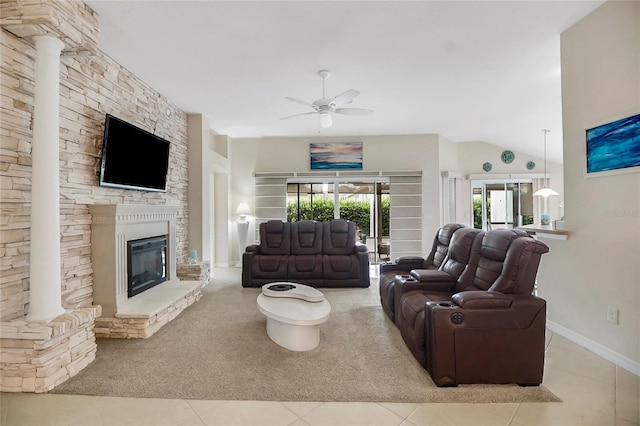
[[310, 201], [502, 204], [367, 203]]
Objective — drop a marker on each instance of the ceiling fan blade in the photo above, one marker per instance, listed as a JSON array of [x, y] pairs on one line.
[[298, 101], [344, 98], [354, 111], [298, 115]]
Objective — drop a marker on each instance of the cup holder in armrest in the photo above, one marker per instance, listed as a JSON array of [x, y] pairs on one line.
[[405, 279], [446, 304]]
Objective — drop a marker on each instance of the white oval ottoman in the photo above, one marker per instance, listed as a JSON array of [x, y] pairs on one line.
[[293, 322]]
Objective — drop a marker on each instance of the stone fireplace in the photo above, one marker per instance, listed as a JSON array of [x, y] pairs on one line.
[[133, 252], [113, 226]]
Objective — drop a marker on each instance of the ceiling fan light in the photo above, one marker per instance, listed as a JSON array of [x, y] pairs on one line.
[[325, 120], [545, 192]]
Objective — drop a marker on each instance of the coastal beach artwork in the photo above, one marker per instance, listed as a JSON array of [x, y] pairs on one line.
[[336, 156], [614, 145]]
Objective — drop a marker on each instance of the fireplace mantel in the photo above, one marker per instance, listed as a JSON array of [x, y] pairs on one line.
[[112, 225]]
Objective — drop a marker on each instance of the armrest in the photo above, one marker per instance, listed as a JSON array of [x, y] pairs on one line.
[[361, 247], [413, 261], [431, 275], [482, 300], [395, 267], [412, 284], [403, 264], [253, 248], [488, 311]]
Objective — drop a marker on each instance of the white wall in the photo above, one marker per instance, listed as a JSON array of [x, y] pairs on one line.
[[448, 155], [208, 193], [244, 155], [599, 265], [380, 153], [399, 152], [472, 155], [454, 189]]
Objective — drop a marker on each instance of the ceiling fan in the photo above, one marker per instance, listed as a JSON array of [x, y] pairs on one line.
[[325, 106]]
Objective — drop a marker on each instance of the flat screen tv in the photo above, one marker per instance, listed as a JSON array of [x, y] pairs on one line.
[[133, 158]]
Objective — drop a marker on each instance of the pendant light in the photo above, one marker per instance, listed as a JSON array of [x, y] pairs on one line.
[[545, 191]]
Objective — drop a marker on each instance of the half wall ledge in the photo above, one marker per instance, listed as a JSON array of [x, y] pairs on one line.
[[545, 231]]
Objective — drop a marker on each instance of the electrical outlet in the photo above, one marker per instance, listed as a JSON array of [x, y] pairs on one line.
[[612, 315]]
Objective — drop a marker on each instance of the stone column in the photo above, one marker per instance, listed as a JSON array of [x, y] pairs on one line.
[[45, 293]]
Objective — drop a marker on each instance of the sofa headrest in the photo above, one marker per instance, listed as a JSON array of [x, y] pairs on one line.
[[495, 243], [274, 226], [446, 232], [530, 244], [307, 226], [339, 226], [461, 242]]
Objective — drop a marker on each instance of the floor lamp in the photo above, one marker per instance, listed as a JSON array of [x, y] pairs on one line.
[[243, 228]]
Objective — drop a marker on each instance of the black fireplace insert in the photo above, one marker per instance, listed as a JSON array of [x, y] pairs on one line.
[[146, 263]]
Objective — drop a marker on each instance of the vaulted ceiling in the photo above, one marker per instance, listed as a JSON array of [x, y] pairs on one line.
[[469, 70]]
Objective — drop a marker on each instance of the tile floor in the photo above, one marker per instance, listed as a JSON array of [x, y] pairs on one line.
[[594, 392]]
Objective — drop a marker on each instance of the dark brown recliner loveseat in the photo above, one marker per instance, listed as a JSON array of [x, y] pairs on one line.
[[318, 254], [485, 325]]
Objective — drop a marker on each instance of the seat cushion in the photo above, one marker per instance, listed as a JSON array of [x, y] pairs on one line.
[[413, 303], [340, 267], [270, 266], [305, 266]]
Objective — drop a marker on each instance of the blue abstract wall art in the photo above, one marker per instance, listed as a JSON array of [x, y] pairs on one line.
[[614, 145], [327, 156]]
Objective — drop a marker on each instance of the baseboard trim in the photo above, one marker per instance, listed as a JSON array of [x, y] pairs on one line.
[[606, 353]]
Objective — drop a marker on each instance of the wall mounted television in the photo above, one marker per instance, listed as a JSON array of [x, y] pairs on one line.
[[132, 158]]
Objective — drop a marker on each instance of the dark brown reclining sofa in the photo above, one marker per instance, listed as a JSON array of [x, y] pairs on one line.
[[475, 319], [405, 264], [318, 254]]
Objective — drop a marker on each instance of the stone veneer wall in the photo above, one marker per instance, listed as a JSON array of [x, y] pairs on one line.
[[37, 357], [195, 272], [90, 86]]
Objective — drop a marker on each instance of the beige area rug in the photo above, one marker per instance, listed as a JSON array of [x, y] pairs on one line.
[[218, 349]]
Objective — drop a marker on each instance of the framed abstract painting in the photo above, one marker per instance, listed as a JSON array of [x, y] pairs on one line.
[[336, 156], [614, 146]]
